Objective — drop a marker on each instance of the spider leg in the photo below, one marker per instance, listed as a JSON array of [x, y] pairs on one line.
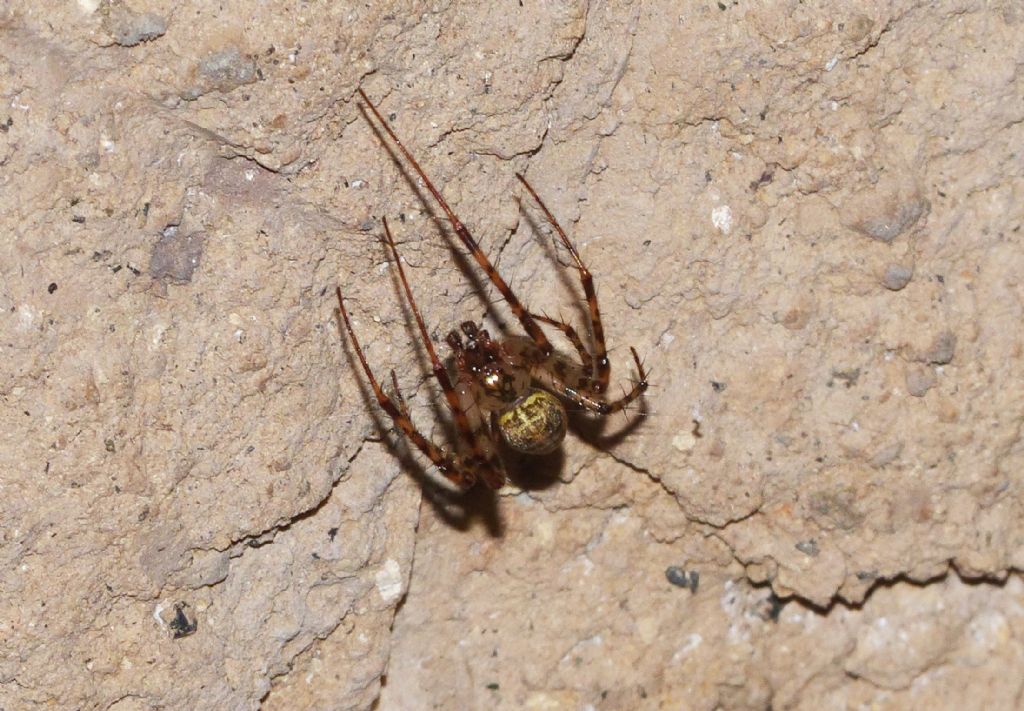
[[398, 394], [566, 380], [601, 366], [573, 336], [524, 317], [449, 466], [482, 460]]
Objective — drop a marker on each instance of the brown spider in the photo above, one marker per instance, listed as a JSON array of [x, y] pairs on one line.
[[506, 387]]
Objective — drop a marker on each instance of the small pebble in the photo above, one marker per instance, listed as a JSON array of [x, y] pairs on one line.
[[886, 455], [920, 379], [887, 225], [682, 578], [887, 209], [222, 71], [896, 277], [130, 28], [175, 256], [808, 547], [184, 621], [942, 349]]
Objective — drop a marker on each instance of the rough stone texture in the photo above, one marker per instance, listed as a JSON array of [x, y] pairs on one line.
[[834, 447], [128, 28], [175, 256]]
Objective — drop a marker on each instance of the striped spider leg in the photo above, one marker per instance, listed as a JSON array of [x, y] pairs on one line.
[[463, 471], [572, 381]]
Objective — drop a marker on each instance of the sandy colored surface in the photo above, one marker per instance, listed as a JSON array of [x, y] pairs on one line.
[[807, 219]]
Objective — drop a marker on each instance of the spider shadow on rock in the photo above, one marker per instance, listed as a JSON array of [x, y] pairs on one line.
[[591, 429], [533, 472]]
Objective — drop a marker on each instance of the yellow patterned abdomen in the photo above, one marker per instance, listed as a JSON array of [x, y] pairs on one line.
[[534, 425]]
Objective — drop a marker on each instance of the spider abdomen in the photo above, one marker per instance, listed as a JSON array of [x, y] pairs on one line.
[[535, 424]]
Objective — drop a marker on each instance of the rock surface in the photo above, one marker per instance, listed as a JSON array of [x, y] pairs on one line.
[[807, 219]]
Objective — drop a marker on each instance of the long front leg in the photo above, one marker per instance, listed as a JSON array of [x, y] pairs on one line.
[[527, 321]]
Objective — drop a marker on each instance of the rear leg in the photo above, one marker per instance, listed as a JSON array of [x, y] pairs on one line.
[[450, 467], [482, 459]]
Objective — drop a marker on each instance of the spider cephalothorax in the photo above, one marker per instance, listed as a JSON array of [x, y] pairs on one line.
[[510, 389], [485, 361]]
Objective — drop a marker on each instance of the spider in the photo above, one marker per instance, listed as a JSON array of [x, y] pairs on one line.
[[511, 388]]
